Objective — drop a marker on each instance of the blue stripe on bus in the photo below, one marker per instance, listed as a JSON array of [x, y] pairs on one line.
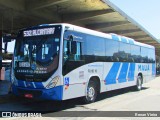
[[29, 85], [115, 37], [131, 72], [123, 73], [131, 41], [153, 69], [123, 39], [38, 84], [111, 77]]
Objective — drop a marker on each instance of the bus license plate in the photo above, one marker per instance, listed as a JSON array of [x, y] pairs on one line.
[[24, 64]]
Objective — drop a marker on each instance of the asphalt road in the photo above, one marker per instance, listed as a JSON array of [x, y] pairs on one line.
[[147, 99]]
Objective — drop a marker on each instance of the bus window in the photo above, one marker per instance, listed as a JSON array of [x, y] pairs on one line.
[[94, 49], [144, 55], [68, 55], [135, 53], [124, 52], [112, 51], [151, 56], [70, 60], [78, 54]]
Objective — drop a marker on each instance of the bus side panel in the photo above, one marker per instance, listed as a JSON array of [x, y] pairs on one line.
[[122, 78], [147, 70], [107, 79], [153, 69], [119, 75], [131, 74], [111, 76], [75, 82]]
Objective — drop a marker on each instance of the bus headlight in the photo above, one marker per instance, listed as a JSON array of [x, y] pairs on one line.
[[54, 82]]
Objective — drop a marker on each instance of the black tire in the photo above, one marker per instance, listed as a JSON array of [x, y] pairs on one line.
[[138, 86], [91, 94]]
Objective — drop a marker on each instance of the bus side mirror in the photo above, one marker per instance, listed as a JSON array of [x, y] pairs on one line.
[[73, 47]]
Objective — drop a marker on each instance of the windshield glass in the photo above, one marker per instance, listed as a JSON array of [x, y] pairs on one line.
[[36, 56]]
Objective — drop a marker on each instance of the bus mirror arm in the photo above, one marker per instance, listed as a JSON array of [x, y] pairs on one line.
[[5, 48], [73, 47]]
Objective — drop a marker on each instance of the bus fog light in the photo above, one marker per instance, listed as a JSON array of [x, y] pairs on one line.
[[54, 82]]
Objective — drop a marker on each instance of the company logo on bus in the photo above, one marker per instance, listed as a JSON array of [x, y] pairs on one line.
[[143, 67]]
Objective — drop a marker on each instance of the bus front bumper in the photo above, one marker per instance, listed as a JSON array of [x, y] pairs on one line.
[[55, 93]]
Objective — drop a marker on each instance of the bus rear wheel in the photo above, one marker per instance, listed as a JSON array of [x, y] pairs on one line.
[[138, 86], [91, 94]]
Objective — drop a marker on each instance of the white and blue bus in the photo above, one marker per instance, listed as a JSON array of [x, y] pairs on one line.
[[64, 61]]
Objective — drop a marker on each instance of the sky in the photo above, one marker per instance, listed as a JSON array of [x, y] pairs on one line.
[[145, 12]]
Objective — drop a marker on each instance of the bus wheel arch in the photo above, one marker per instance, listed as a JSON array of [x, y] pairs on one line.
[[141, 75], [96, 79], [92, 90]]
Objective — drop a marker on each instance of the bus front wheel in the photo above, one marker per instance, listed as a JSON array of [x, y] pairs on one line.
[[91, 93]]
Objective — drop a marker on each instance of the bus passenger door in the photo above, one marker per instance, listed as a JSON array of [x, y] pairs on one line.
[[73, 70]]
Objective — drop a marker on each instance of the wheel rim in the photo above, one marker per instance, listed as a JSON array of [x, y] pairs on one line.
[[91, 93], [139, 83]]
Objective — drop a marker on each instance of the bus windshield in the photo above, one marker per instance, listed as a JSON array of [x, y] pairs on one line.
[[36, 57]]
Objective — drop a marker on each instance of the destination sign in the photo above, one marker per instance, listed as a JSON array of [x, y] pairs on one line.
[[38, 32]]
